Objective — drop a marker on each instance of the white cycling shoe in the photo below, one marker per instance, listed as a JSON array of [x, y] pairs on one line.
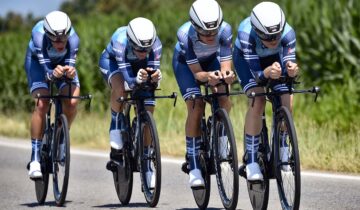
[[223, 147], [196, 179], [253, 172], [284, 155], [116, 140], [35, 170], [150, 179]]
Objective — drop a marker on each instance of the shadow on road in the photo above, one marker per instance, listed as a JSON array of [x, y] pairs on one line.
[[48, 203], [132, 205]]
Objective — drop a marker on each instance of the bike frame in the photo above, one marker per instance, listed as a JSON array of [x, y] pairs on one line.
[[140, 110]]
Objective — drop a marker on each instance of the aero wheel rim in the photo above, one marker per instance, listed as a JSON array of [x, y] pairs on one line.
[[286, 165], [225, 156], [60, 166]]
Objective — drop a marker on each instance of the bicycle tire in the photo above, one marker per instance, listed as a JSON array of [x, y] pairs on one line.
[[123, 176], [259, 191], [41, 185], [152, 195], [226, 168], [61, 158], [202, 195], [288, 200]]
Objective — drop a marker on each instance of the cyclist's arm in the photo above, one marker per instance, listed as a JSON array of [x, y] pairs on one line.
[[225, 66], [248, 47], [124, 66], [155, 55], [74, 43], [190, 57], [36, 45], [225, 47], [289, 45]]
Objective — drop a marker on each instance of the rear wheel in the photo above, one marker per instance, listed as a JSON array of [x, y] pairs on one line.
[[123, 176], [259, 191], [202, 195], [123, 179], [41, 185], [287, 161], [225, 159], [150, 157], [61, 160]]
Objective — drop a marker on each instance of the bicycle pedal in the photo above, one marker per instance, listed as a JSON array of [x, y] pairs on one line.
[[184, 168], [242, 171]]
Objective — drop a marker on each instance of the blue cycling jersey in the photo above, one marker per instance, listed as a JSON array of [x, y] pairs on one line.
[[120, 50], [192, 50], [41, 47], [252, 49]]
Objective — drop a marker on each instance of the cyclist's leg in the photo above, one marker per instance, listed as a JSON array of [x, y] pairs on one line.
[[69, 105], [195, 109], [114, 79], [36, 84], [253, 118]]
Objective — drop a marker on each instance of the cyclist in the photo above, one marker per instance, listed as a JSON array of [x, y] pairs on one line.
[[133, 52], [264, 49], [203, 48], [51, 52]]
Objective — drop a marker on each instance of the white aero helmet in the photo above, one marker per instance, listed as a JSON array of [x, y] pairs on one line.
[[57, 26], [206, 17], [141, 33], [268, 21]]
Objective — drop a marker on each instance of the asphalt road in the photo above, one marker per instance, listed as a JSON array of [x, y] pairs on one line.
[[91, 185]]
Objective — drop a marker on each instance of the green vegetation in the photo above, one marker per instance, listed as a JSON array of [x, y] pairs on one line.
[[328, 49]]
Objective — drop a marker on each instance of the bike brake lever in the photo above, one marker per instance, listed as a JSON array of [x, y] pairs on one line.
[[174, 95], [316, 90]]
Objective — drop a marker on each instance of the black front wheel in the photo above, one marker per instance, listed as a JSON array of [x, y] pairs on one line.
[[225, 159], [150, 159], [61, 160], [287, 160]]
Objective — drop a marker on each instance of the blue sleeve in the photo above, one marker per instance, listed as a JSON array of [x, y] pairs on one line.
[[38, 41], [289, 43], [74, 42], [155, 55], [226, 43], [187, 48], [123, 66], [248, 48]]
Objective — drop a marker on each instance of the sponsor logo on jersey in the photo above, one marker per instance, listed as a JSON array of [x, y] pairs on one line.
[[291, 50]]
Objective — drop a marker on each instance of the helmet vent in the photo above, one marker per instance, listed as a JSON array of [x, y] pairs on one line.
[[211, 25], [145, 42], [274, 28]]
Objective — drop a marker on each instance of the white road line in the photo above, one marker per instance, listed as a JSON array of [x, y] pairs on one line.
[[6, 142]]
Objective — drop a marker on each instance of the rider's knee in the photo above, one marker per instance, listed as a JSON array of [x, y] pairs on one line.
[[257, 106], [196, 110], [225, 102], [70, 105], [42, 106]]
